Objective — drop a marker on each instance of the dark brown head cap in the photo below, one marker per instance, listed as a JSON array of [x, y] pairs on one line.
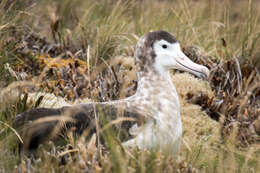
[[152, 37], [144, 53]]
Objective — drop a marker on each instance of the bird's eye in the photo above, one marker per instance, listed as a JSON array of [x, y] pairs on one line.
[[164, 46]]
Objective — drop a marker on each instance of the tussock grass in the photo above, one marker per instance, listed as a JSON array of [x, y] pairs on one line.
[[98, 31]]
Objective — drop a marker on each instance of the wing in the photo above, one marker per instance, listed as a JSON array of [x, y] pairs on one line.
[[38, 125]]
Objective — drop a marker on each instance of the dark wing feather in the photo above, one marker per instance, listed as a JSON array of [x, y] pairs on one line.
[[82, 118]]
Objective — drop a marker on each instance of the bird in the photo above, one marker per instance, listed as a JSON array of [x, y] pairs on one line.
[[153, 111]]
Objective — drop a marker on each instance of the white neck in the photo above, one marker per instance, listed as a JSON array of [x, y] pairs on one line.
[[163, 71]]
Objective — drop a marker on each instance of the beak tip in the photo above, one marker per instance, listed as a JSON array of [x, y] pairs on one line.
[[206, 72]]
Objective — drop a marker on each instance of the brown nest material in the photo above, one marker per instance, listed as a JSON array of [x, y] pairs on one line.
[[236, 84], [66, 72]]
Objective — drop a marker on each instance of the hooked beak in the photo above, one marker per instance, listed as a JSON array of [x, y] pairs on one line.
[[185, 64]]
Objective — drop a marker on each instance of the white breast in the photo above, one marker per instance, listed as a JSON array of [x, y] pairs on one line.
[[163, 129], [166, 138]]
